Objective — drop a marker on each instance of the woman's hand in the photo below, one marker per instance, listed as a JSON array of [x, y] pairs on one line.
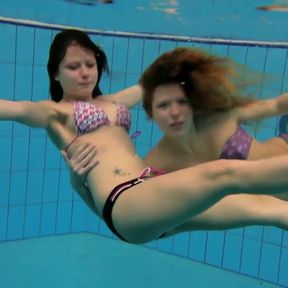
[[81, 162]]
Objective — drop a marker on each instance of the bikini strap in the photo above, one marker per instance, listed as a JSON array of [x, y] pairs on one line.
[[145, 173], [151, 172], [69, 145], [135, 134]]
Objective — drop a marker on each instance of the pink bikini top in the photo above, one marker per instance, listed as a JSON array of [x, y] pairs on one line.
[[88, 117], [237, 146]]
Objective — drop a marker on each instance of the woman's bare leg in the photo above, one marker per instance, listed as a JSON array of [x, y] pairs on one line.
[[163, 203], [272, 147], [236, 211]]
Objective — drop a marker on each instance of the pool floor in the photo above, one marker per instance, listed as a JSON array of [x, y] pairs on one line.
[[87, 260]]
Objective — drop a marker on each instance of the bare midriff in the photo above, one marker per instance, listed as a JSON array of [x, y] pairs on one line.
[[117, 158]]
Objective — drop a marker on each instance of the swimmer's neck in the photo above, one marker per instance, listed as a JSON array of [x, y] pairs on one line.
[[186, 143]]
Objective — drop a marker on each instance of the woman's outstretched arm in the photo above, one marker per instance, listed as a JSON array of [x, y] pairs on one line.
[[261, 109], [129, 97], [33, 114]]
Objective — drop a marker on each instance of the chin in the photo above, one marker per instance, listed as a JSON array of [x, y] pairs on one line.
[[176, 134]]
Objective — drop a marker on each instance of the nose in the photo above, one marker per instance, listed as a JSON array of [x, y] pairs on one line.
[[84, 72], [174, 110]]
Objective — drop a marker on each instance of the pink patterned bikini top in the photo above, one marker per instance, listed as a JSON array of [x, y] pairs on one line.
[[88, 117]]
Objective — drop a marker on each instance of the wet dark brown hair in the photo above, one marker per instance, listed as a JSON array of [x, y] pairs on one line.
[[58, 49]]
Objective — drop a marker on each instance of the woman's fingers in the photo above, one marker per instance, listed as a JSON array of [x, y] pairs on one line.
[[86, 169], [83, 160], [88, 163], [82, 152]]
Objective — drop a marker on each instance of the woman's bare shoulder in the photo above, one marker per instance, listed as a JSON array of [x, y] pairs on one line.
[[157, 156]]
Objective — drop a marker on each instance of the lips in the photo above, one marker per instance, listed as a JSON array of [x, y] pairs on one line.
[[176, 124], [85, 84]]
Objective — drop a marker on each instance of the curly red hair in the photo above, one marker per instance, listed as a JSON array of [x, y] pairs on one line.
[[211, 83]]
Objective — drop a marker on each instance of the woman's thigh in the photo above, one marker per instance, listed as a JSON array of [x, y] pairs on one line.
[[275, 146], [147, 210]]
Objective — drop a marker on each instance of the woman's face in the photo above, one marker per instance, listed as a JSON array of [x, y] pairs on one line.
[[77, 73], [171, 110]]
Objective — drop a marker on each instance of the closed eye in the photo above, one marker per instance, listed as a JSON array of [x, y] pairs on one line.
[[162, 105], [91, 65], [183, 101], [73, 67]]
